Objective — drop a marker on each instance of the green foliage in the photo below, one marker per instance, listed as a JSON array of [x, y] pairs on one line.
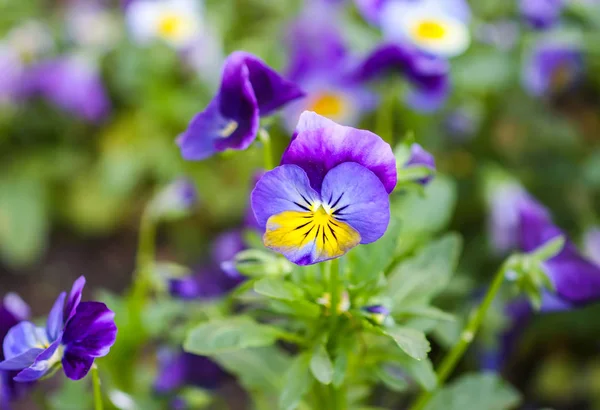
[[321, 366], [297, 382], [411, 341]]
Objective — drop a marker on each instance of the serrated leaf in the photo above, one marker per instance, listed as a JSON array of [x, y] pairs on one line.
[[476, 391], [296, 384], [418, 279], [413, 342], [278, 289], [321, 366], [228, 335]]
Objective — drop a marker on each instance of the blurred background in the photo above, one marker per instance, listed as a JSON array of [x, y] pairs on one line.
[[93, 94]]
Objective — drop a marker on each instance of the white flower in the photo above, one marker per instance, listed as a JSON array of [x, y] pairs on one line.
[[178, 22], [427, 26]]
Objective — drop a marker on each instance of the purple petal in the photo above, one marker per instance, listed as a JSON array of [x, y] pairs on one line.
[[23, 337], [171, 371], [357, 198], [504, 219], [21, 361], [55, 322], [541, 14], [428, 74], [229, 122], [74, 298], [178, 369], [285, 188], [12, 311], [91, 331], [320, 145], [226, 246], [552, 67], [370, 9], [76, 367], [43, 363], [271, 89], [592, 245], [420, 157]]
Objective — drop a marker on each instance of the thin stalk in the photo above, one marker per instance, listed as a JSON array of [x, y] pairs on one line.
[[265, 138], [466, 337], [98, 404]]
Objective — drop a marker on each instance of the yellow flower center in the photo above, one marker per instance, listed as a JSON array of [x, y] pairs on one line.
[[170, 25], [430, 30], [229, 129], [329, 105]]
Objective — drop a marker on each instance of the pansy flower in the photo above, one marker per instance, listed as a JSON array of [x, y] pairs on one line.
[[420, 157], [330, 193], [552, 67], [12, 311], [75, 334], [249, 90], [177, 22], [541, 14], [322, 65], [427, 75], [438, 27]]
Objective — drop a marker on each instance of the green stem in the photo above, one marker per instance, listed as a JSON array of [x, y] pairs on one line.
[[98, 404], [333, 267], [264, 137], [385, 113], [466, 337]]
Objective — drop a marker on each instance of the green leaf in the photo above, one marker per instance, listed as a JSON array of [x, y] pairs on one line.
[[413, 342], [392, 377], [476, 391], [256, 369], [368, 261], [420, 371], [549, 249], [427, 312], [296, 384], [278, 289], [228, 334], [417, 280], [321, 366]]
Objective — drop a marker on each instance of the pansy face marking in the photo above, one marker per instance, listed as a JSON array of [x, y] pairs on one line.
[[330, 193]]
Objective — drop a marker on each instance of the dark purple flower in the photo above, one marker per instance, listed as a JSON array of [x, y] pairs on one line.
[[249, 90], [551, 68], [72, 84], [428, 75], [75, 334], [177, 369], [575, 278], [541, 14], [216, 278], [13, 310], [420, 157]]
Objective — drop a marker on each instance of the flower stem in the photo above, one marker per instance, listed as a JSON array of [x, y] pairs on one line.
[[334, 278], [265, 138], [98, 404], [466, 337]]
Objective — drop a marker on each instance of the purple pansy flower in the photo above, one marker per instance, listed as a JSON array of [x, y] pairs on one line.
[[330, 193], [428, 75], [249, 90], [12, 311], [75, 334], [177, 369], [552, 67], [72, 84], [321, 64], [541, 14], [420, 157], [216, 278]]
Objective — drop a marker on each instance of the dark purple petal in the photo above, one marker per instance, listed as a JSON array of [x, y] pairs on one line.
[[178, 369], [74, 299], [12, 311], [576, 279], [91, 331], [42, 364], [76, 367], [429, 75], [272, 91], [207, 283], [55, 322], [420, 157], [377, 309], [357, 198], [541, 14], [552, 67], [320, 145]]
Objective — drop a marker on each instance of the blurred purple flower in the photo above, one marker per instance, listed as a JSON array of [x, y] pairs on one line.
[[461, 125], [177, 369], [592, 245], [541, 14], [13, 310], [174, 200], [218, 276], [552, 68], [372, 10], [321, 64], [72, 84], [11, 71], [429, 75], [75, 334], [249, 90], [420, 157]]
